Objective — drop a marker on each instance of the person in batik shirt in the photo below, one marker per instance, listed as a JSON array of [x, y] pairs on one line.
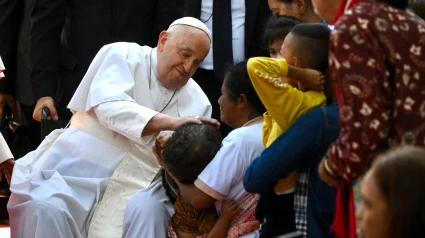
[[377, 57]]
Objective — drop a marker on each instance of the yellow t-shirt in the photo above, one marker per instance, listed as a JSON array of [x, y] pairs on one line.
[[283, 102]]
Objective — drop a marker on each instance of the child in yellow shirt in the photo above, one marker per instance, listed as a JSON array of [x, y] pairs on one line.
[[306, 46]]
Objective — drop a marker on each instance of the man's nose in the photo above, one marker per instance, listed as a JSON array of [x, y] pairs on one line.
[[188, 66]]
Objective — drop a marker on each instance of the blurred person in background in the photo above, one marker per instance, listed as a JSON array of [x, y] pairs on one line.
[[237, 38], [300, 9], [66, 35], [393, 193]]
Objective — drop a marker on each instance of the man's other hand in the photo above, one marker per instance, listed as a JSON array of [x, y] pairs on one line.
[[42, 103]]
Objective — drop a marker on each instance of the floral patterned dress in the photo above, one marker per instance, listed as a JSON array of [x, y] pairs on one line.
[[377, 56]]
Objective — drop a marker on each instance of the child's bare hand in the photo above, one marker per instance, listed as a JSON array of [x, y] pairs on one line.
[[229, 209], [312, 79], [159, 146], [162, 140]]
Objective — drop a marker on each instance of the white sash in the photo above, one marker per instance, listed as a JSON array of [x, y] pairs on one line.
[[135, 172]]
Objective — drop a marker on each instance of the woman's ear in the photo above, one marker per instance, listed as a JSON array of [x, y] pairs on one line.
[[242, 101], [301, 6]]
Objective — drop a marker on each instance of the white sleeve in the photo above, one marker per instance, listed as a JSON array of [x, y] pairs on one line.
[[110, 77], [5, 152], [126, 118], [223, 171]]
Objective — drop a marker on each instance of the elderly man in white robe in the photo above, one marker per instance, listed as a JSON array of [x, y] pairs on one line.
[[77, 183]]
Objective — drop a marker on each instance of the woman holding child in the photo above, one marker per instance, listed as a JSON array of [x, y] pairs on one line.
[[241, 109]]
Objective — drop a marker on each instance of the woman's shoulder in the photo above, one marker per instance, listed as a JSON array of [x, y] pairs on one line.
[[374, 15], [246, 135]]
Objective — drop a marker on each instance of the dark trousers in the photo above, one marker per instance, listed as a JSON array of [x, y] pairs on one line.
[[212, 88], [276, 213], [33, 125]]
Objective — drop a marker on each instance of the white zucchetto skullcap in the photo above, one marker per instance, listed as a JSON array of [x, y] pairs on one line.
[[193, 22]]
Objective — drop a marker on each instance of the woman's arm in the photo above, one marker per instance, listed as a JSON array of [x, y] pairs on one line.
[[194, 196], [364, 105], [221, 227]]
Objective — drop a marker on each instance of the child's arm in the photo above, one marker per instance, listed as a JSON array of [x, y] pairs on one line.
[[228, 211], [280, 98]]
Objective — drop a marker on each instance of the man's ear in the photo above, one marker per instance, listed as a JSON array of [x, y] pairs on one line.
[[242, 101], [301, 6], [163, 37]]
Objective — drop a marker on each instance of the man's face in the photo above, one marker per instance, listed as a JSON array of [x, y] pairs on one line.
[[179, 55]]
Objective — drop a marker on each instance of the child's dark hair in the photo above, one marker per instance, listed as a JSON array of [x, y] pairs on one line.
[[278, 27], [190, 149], [314, 44], [237, 82]]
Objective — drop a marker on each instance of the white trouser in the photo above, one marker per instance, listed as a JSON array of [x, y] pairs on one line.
[[148, 212]]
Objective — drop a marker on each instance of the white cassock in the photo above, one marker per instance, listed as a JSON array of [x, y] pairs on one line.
[[80, 178]]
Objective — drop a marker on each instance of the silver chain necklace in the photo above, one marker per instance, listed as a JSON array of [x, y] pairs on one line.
[[150, 79]]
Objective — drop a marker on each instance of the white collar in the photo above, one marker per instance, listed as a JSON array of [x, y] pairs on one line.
[[154, 61]]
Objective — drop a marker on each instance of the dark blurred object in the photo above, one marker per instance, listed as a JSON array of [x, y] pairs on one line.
[[171, 188], [48, 125], [17, 136], [294, 234], [418, 7]]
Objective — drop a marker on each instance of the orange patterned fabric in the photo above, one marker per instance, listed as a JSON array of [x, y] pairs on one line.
[[188, 219], [244, 222]]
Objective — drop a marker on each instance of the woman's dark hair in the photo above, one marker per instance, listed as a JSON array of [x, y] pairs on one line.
[[237, 82], [190, 149], [400, 176], [278, 27], [400, 4]]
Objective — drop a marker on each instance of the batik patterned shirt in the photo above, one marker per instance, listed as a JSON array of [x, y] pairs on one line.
[[377, 56]]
